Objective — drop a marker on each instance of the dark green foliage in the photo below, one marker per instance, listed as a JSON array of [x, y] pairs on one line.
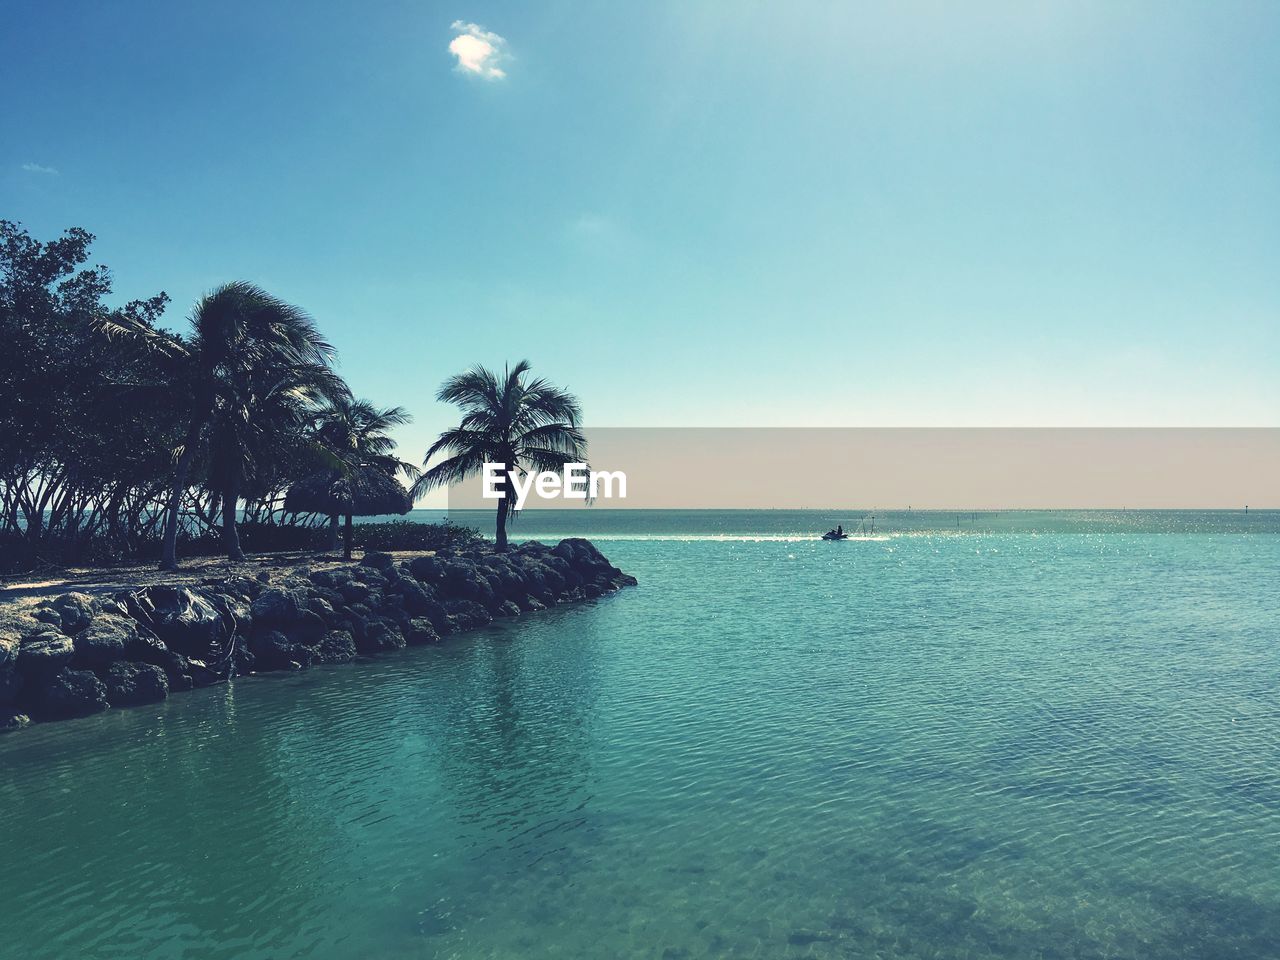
[[525, 424], [73, 469], [407, 535], [115, 432]]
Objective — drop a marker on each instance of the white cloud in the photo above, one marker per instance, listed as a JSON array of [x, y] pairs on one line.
[[479, 51], [37, 168]]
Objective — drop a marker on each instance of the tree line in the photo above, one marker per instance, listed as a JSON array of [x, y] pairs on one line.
[[122, 439]]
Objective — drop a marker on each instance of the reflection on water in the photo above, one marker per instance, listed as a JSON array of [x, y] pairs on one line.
[[998, 745]]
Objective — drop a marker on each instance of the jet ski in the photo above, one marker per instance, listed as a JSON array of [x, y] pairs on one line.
[[832, 535]]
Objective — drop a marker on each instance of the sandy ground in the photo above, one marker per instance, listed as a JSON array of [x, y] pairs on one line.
[[25, 589]]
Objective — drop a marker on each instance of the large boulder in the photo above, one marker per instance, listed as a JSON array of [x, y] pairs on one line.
[[379, 636], [420, 630], [108, 638], [309, 629], [75, 611], [463, 580], [378, 560], [11, 683], [418, 599], [46, 614], [322, 608], [338, 646], [129, 683], [184, 620], [71, 693], [427, 569], [10, 644], [355, 591], [18, 625], [272, 650], [44, 654], [278, 607], [467, 614]]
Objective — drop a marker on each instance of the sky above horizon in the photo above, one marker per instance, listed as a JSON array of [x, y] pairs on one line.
[[691, 214]]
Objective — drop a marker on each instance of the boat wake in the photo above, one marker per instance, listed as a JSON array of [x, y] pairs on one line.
[[713, 538]]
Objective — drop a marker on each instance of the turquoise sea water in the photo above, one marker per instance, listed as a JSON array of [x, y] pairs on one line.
[[1049, 736]]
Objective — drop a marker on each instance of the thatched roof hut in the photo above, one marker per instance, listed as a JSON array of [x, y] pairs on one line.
[[364, 492]]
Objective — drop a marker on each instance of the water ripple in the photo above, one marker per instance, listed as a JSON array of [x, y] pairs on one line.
[[933, 746]]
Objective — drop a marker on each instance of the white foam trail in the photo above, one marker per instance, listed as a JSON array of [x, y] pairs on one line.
[[699, 538]]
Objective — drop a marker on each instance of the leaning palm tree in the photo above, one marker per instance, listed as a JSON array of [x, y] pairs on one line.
[[238, 332], [257, 426], [520, 423], [353, 443]]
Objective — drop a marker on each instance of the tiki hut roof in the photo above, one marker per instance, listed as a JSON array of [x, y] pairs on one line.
[[366, 492]]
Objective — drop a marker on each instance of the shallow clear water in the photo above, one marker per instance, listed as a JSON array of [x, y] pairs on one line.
[[1060, 744]]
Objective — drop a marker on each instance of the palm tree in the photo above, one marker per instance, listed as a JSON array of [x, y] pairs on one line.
[[241, 338], [353, 435], [258, 427], [520, 423]]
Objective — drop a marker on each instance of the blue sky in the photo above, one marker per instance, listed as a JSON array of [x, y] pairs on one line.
[[694, 213]]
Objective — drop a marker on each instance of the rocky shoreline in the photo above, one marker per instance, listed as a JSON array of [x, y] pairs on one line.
[[75, 654]]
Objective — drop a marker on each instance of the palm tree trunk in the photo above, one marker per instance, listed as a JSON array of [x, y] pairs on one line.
[[503, 509], [333, 533], [501, 539], [169, 554], [347, 534], [230, 535]]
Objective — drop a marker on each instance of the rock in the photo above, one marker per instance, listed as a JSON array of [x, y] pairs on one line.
[[230, 607], [10, 644], [75, 610], [380, 636], [374, 576], [378, 560], [72, 693], [353, 591], [419, 631], [130, 683], [11, 684], [332, 578], [582, 555], [467, 614], [75, 654], [322, 608], [48, 615], [246, 588], [16, 626], [10, 681], [148, 648], [338, 646], [44, 654], [13, 721], [418, 600], [185, 621], [309, 629], [464, 581], [272, 650], [426, 569], [276, 607], [107, 639]]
